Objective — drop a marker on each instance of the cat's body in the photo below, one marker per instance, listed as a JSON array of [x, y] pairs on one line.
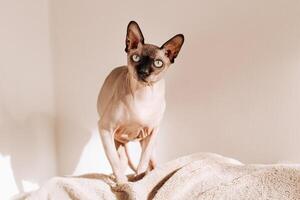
[[130, 109], [131, 102]]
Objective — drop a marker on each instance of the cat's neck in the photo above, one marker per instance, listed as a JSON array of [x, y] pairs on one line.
[[136, 84]]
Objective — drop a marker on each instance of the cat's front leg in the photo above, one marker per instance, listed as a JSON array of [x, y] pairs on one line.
[[112, 155], [147, 149]]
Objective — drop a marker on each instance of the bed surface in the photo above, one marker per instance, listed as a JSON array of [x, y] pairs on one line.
[[204, 176]]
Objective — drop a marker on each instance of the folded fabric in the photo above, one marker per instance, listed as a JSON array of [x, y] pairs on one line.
[[204, 176]]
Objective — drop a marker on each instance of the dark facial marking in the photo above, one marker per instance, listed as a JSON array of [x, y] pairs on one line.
[[144, 68]]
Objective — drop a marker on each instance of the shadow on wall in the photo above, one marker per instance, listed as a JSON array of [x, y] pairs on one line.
[[93, 158], [18, 171], [8, 181], [27, 154], [7, 178]]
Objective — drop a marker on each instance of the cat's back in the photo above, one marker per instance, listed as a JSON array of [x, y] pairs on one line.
[[115, 78]]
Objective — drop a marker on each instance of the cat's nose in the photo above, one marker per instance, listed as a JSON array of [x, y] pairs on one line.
[[143, 72]]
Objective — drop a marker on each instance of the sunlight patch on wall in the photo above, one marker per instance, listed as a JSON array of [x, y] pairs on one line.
[[7, 179], [93, 158], [29, 186]]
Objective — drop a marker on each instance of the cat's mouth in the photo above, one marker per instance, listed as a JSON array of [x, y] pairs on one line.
[[142, 79]]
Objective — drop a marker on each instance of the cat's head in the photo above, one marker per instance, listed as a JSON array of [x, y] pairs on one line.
[[147, 62]]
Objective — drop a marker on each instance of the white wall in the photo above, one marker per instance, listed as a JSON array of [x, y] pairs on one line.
[[26, 94], [234, 89]]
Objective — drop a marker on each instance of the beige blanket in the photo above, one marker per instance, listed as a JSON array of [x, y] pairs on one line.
[[202, 176]]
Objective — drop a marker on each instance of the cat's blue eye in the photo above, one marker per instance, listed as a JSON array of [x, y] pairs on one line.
[[158, 63], [136, 58]]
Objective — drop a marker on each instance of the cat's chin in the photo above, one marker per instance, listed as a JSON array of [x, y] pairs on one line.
[[145, 82], [142, 81]]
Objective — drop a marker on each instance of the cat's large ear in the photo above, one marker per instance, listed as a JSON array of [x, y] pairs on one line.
[[173, 46], [134, 36]]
